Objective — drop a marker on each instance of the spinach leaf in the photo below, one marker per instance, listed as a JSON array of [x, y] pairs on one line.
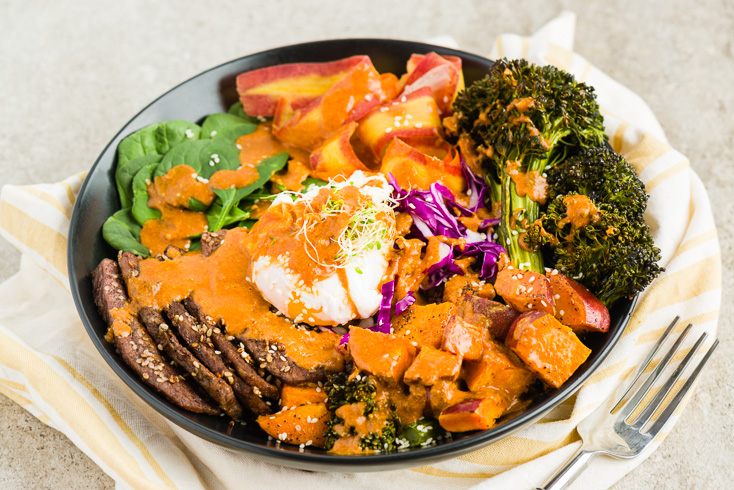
[[313, 181], [215, 214], [218, 154], [237, 110], [219, 125], [125, 173], [155, 139], [122, 232], [140, 209], [230, 197], [185, 153], [196, 205], [422, 431]]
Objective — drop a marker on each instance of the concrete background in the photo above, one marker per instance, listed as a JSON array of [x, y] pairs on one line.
[[73, 73]]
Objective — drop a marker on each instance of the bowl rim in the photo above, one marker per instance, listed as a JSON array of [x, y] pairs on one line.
[[310, 460]]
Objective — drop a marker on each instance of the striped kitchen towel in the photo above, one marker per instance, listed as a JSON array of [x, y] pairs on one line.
[[50, 367]]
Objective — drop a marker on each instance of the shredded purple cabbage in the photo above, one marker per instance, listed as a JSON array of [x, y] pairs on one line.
[[432, 213], [476, 188], [383, 324], [404, 303]]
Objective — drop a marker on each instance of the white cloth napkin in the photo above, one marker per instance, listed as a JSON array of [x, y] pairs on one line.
[[49, 366]]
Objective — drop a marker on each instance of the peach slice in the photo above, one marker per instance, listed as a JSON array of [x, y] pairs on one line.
[[577, 307], [299, 83], [547, 347], [336, 156], [411, 116]]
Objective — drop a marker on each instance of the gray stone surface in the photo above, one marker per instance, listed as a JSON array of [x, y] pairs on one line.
[[74, 72]]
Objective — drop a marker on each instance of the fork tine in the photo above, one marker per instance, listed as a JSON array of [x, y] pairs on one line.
[[646, 361], [665, 389], [673, 405], [637, 397]]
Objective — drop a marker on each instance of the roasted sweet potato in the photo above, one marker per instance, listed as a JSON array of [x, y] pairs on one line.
[[445, 393], [464, 339], [383, 355], [524, 290], [547, 347], [431, 365], [490, 315], [304, 424], [577, 307], [497, 370], [410, 116], [474, 414], [294, 396], [424, 324]]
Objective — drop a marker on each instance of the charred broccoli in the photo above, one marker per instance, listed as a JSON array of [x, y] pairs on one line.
[[521, 120], [595, 225], [385, 431], [359, 391]]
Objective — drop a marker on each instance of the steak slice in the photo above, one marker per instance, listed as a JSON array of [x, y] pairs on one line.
[[198, 343], [272, 358], [211, 241], [215, 387], [134, 345], [232, 354]]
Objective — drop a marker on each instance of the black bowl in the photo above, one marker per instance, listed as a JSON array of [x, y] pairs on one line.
[[214, 91]]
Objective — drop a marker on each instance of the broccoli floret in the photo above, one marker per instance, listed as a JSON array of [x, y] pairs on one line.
[[527, 118], [595, 227], [360, 389]]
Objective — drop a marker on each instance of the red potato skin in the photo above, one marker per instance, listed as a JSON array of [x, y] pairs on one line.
[[547, 347], [524, 290], [577, 307]]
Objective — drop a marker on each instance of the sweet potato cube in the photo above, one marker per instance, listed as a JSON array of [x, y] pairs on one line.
[[464, 339], [304, 424], [299, 83], [474, 414], [295, 396], [547, 347], [383, 355], [336, 156], [524, 290], [413, 169], [577, 307], [484, 313], [497, 370], [424, 324], [445, 393], [410, 116], [431, 365]]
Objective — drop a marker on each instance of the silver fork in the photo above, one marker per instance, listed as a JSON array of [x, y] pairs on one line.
[[608, 429]]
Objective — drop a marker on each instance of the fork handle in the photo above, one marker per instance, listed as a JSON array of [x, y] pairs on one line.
[[569, 471]]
